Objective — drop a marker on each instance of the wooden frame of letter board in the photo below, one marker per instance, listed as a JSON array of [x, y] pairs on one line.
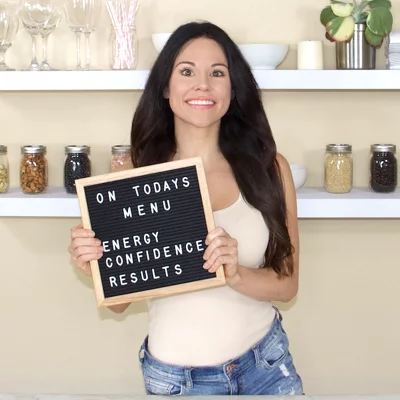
[[219, 280]]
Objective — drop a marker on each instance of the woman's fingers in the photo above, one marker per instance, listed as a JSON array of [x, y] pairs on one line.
[[84, 247], [221, 256]]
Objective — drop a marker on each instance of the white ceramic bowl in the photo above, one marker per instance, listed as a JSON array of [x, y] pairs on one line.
[[264, 56], [299, 174], [159, 40]]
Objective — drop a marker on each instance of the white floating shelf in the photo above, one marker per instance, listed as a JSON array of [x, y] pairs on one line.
[[135, 80], [312, 203], [72, 80], [359, 203]]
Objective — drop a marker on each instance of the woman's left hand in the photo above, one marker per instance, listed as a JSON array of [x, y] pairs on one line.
[[221, 250]]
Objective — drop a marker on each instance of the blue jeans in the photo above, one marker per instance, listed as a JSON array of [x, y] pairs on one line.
[[265, 369]]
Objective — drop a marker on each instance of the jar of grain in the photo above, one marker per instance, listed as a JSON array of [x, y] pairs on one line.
[[383, 168], [4, 170], [338, 168], [77, 165], [121, 158], [33, 169]]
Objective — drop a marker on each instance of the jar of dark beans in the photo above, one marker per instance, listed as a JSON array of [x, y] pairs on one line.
[[383, 168], [77, 165]]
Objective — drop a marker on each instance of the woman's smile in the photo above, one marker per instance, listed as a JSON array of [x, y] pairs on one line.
[[201, 103]]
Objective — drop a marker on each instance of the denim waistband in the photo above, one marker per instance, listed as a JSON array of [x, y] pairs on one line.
[[214, 372]]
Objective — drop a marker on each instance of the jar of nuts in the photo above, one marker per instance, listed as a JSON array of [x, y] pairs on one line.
[[338, 168], [383, 168], [4, 175], [33, 169], [121, 158]]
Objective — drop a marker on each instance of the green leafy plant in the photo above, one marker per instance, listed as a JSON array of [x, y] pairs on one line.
[[340, 18]]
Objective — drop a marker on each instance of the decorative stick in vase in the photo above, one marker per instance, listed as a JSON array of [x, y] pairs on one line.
[[123, 36]]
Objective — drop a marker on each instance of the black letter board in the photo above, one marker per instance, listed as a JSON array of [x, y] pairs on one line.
[[152, 222]]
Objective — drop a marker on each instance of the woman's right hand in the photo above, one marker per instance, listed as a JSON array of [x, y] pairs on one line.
[[84, 247]]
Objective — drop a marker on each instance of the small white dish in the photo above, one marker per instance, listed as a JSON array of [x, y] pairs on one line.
[[159, 40], [264, 56], [299, 174]]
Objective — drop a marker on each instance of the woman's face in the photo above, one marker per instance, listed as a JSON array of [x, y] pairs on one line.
[[200, 89]]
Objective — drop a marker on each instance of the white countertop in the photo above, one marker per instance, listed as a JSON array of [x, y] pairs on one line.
[[16, 396]]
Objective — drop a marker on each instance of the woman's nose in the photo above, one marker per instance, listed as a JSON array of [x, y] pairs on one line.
[[202, 83]]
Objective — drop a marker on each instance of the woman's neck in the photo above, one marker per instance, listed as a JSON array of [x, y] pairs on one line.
[[197, 142]]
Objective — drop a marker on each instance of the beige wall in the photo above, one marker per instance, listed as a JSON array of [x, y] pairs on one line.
[[344, 325]]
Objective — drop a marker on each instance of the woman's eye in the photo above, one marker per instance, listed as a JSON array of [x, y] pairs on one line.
[[218, 73], [186, 72]]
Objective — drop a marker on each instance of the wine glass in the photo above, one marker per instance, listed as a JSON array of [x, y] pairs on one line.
[[34, 15], [82, 18], [45, 31], [92, 21], [9, 25]]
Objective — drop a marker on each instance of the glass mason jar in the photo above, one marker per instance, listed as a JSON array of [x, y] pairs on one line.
[[4, 170], [123, 47], [383, 168], [338, 168], [33, 169], [77, 165], [121, 158]]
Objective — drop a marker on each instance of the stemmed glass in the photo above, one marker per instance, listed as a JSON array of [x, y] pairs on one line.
[[45, 31], [34, 15], [92, 21], [83, 17], [9, 25]]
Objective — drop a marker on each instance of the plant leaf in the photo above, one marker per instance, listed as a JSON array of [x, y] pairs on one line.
[[372, 39], [379, 3], [363, 4], [342, 9], [328, 37], [341, 29], [362, 18], [380, 21], [327, 15]]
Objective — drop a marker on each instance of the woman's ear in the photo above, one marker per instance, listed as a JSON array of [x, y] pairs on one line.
[[166, 93]]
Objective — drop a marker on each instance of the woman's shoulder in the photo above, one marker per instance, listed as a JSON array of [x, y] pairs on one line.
[[285, 172], [283, 164]]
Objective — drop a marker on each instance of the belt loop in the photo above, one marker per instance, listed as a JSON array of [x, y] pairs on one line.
[[278, 313], [188, 377], [256, 351], [141, 352]]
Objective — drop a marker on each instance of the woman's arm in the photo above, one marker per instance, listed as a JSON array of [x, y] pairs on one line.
[[264, 284]]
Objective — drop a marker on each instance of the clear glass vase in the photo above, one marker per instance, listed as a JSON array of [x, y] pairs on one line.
[[123, 48]]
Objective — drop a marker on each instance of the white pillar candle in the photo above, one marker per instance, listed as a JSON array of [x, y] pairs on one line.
[[310, 55]]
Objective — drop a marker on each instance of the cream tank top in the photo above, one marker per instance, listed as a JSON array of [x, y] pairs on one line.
[[212, 326]]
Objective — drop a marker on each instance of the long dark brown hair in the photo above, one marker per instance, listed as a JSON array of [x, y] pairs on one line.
[[245, 137]]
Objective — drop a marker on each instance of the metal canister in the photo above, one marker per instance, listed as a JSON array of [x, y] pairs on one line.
[[356, 53]]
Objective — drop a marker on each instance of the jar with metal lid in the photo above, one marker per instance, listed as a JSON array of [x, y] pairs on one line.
[[383, 168], [338, 168], [4, 170], [33, 169], [77, 165], [121, 158]]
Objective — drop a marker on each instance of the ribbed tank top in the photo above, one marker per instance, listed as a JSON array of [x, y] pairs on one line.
[[212, 326]]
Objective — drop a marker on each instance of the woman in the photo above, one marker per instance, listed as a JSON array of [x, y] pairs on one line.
[[201, 100]]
